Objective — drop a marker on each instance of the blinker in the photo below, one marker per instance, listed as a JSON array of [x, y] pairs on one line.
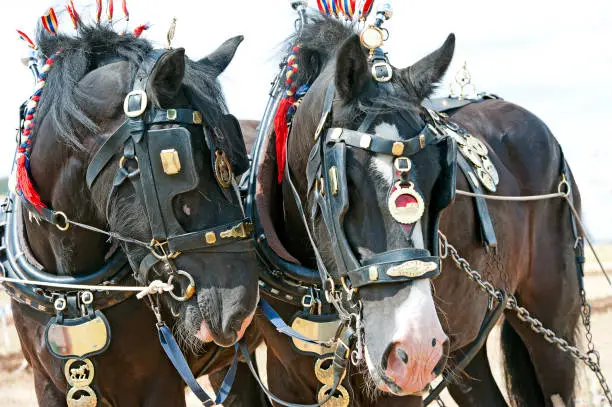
[[170, 161]]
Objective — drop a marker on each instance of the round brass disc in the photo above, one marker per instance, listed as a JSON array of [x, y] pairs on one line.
[[471, 155], [79, 373], [223, 170], [326, 374], [81, 400], [489, 167], [458, 137], [341, 400], [372, 37], [486, 179], [476, 145], [406, 214]]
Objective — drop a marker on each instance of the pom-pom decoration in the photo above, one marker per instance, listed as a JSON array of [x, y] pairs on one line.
[[139, 30], [49, 21]]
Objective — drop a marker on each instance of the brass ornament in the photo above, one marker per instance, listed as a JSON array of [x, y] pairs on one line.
[[197, 117], [398, 148], [240, 231], [341, 400], [471, 155], [486, 179], [333, 180], [79, 373], [77, 340], [210, 237], [372, 37], [412, 269], [81, 397], [171, 162], [365, 141], [324, 370], [318, 330], [489, 167], [476, 145], [373, 273], [410, 213], [223, 169]]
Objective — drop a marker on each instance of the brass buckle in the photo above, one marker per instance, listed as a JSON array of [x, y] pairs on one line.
[[240, 231], [144, 101], [383, 77], [189, 291], [157, 249]]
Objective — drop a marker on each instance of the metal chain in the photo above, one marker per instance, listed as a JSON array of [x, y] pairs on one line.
[[591, 359]]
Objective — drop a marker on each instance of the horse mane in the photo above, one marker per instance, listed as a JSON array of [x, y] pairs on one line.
[[94, 46], [319, 42]]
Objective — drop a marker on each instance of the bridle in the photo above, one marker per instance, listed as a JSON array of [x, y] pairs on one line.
[[160, 165], [327, 182]]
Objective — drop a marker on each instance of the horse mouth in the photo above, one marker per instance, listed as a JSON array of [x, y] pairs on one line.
[[205, 335]]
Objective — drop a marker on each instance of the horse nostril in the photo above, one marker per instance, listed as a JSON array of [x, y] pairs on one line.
[[442, 362], [433, 342], [402, 355]]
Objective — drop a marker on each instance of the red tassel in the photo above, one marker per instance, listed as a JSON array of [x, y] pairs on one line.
[[281, 129], [24, 184], [138, 30]]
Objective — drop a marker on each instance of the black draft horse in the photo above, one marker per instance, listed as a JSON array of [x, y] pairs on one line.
[[405, 326], [81, 107]]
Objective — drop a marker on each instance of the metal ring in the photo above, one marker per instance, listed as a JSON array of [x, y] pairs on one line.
[[564, 182], [346, 284], [87, 297], [60, 304], [56, 217], [189, 291]]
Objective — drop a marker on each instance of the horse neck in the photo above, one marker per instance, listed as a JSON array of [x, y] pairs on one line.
[[59, 173]]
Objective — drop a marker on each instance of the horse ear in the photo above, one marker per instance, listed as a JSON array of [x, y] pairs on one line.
[[220, 58], [351, 69], [422, 77], [166, 78]]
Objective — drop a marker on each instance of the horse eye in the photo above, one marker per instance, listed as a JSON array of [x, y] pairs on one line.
[[187, 209]]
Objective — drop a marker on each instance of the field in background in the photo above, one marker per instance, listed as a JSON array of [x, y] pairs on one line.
[[17, 388]]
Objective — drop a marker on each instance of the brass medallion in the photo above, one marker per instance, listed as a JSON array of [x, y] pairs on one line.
[[324, 371], [223, 169], [79, 373], [489, 167], [78, 338], [406, 204], [340, 400], [81, 397], [319, 330], [471, 155], [476, 145], [486, 179], [412, 268]]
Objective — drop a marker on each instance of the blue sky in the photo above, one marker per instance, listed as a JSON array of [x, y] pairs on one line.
[[551, 58]]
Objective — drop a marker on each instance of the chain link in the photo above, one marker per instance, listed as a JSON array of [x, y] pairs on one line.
[[591, 358]]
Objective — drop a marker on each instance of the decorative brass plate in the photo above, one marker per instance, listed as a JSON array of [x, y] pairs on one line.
[[489, 167], [471, 155], [325, 372], [409, 213], [319, 330], [476, 145], [223, 169], [81, 397], [78, 338], [79, 373], [341, 400], [372, 37], [486, 179], [412, 268], [170, 161]]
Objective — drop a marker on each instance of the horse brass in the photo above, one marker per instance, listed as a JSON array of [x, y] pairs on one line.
[[223, 170], [373, 273], [79, 373], [170, 161], [333, 180], [408, 213], [210, 237], [412, 269], [240, 231], [78, 340], [318, 330], [398, 148], [486, 179], [324, 370], [197, 117], [341, 400], [86, 397], [171, 114]]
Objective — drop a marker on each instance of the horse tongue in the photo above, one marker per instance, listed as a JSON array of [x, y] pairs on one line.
[[203, 333]]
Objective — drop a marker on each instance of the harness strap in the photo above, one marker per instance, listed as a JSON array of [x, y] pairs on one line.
[[380, 145], [486, 224], [177, 358]]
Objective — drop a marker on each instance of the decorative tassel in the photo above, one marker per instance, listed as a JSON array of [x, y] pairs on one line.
[[98, 10], [139, 30], [74, 16], [109, 10], [49, 21], [281, 125], [126, 13], [26, 39], [26, 189]]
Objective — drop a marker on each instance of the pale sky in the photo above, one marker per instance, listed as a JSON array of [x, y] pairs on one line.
[[549, 57]]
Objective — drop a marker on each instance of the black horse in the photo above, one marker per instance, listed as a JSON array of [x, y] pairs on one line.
[[412, 328], [80, 113]]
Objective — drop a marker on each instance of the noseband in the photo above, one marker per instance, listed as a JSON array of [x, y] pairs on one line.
[[327, 180], [160, 164]]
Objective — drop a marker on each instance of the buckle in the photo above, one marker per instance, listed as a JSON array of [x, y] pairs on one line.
[[131, 97], [382, 71]]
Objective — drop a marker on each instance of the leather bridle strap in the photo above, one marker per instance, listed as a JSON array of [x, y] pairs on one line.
[[177, 358]]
